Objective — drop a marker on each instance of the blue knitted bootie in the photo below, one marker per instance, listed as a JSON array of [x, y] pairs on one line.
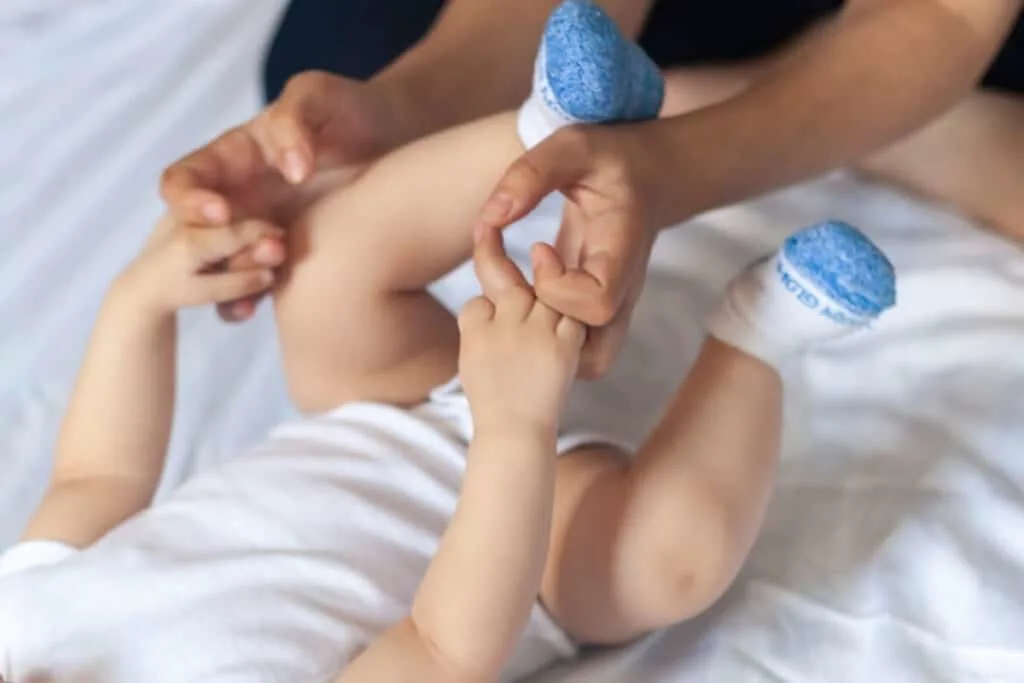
[[824, 282], [588, 72]]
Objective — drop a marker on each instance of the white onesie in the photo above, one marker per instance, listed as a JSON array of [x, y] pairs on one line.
[[278, 566]]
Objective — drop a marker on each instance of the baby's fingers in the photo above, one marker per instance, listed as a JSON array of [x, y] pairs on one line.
[[572, 332], [239, 310], [230, 286], [210, 246]]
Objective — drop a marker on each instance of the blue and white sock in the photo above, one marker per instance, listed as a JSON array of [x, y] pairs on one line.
[[587, 72], [825, 282]]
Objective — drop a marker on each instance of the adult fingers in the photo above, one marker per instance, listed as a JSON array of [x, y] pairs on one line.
[[572, 331], [290, 122], [556, 163], [193, 186], [610, 259], [546, 264], [601, 348]]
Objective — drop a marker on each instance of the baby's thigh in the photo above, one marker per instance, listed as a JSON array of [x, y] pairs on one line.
[[354, 319], [346, 333]]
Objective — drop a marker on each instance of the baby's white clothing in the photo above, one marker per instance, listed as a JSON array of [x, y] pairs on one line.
[[279, 566]]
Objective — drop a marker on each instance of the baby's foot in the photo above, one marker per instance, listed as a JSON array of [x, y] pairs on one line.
[[587, 72], [825, 282]]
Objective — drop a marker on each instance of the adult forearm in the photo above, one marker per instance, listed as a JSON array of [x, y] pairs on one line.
[[874, 76], [477, 60]]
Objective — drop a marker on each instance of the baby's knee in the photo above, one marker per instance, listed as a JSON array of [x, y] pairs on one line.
[[686, 565]]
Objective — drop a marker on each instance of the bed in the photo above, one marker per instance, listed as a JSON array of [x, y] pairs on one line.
[[893, 548]]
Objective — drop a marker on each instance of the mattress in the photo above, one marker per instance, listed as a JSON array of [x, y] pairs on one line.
[[892, 549]]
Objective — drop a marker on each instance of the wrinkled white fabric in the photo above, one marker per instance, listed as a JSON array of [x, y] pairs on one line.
[[892, 549], [280, 565]]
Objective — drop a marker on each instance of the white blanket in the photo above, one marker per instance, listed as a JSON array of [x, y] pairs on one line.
[[893, 548]]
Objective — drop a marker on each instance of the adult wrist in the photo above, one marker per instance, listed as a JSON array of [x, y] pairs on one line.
[[401, 106], [416, 102], [694, 163], [661, 174]]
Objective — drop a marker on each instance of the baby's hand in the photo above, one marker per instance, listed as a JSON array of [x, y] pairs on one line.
[[180, 266], [517, 361]]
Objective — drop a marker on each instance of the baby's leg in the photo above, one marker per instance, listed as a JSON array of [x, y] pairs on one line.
[[640, 546], [354, 320]]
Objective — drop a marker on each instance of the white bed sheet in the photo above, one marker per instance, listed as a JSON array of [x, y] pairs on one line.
[[892, 549]]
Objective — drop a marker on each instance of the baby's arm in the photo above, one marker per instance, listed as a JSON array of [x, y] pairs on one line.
[[517, 360], [114, 436]]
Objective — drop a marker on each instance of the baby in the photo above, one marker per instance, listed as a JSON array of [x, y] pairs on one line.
[[415, 527]]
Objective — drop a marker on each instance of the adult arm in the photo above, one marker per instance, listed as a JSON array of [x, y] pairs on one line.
[[884, 69], [477, 60]]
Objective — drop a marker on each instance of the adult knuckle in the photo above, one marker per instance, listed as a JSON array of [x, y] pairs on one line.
[[277, 115], [575, 139], [603, 309], [525, 169], [256, 281], [595, 366], [303, 82], [170, 175]]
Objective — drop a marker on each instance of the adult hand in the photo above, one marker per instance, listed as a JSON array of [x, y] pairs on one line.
[[595, 271], [321, 122]]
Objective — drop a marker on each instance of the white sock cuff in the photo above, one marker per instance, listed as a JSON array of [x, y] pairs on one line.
[[770, 311], [537, 121], [732, 328]]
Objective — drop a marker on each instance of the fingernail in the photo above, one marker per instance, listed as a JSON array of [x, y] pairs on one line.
[[214, 212], [496, 209], [294, 167]]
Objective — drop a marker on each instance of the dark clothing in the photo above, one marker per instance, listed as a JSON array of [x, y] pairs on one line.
[[359, 37]]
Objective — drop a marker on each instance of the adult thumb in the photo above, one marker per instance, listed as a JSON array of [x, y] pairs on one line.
[[555, 164]]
